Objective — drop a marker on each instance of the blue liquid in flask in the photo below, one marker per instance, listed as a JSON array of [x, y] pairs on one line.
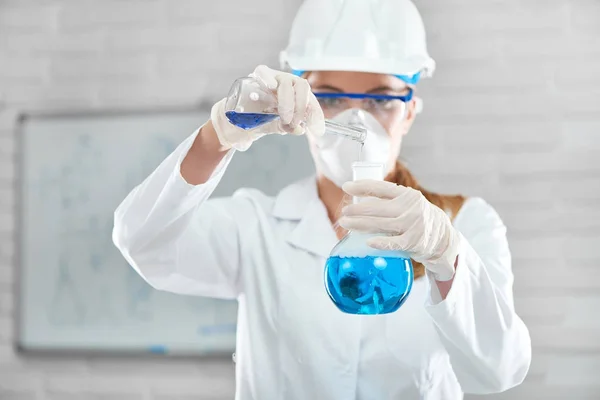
[[368, 285], [249, 120]]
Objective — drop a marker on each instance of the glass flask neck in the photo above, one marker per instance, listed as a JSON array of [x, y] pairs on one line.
[[366, 170]]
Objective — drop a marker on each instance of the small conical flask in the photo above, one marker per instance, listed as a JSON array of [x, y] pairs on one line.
[[360, 279], [251, 104]]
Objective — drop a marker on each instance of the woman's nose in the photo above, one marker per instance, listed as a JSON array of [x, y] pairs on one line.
[[354, 103]]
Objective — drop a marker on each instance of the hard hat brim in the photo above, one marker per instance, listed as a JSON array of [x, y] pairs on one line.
[[414, 65]]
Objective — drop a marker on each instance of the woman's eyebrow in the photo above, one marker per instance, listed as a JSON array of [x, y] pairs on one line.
[[329, 87], [386, 88]]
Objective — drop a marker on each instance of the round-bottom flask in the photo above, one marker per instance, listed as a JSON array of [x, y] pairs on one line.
[[362, 280]]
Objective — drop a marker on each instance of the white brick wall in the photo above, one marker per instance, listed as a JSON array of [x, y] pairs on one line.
[[512, 115]]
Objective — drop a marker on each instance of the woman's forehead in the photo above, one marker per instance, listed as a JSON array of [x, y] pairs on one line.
[[354, 82]]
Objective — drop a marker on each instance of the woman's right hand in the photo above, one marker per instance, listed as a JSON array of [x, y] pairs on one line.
[[299, 111]]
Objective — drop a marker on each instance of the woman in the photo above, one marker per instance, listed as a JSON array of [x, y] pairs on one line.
[[457, 332]]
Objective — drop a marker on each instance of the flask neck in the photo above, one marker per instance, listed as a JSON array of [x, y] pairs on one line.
[[366, 170]]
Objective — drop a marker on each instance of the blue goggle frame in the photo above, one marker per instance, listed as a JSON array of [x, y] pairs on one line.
[[334, 95]]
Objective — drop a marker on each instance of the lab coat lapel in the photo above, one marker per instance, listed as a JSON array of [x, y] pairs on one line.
[[313, 231]]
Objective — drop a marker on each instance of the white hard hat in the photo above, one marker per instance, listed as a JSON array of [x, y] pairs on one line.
[[380, 36]]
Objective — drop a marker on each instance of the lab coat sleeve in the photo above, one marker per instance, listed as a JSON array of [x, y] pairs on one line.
[[176, 239], [488, 344]]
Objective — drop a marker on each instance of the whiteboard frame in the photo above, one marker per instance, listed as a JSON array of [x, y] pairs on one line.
[[19, 282]]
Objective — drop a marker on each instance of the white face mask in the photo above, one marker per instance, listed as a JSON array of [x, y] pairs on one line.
[[334, 154]]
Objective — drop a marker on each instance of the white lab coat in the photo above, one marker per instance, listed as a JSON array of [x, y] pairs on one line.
[[292, 342]]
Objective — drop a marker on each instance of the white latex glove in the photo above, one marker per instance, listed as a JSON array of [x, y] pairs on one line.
[[299, 111], [408, 221]]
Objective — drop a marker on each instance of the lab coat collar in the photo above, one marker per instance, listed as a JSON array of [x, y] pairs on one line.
[[300, 202]]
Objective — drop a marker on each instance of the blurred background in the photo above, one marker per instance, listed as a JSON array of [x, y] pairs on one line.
[[512, 114]]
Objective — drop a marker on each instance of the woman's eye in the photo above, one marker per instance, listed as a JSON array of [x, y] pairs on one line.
[[380, 104], [383, 102], [330, 102]]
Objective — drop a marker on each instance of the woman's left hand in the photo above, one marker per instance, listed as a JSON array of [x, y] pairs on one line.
[[408, 220]]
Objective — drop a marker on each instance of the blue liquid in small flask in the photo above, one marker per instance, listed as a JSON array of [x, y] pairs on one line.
[[249, 120], [362, 280]]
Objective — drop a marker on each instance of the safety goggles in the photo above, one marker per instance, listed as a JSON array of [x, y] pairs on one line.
[[333, 103]]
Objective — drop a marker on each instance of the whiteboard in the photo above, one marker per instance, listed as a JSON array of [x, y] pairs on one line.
[[77, 293]]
